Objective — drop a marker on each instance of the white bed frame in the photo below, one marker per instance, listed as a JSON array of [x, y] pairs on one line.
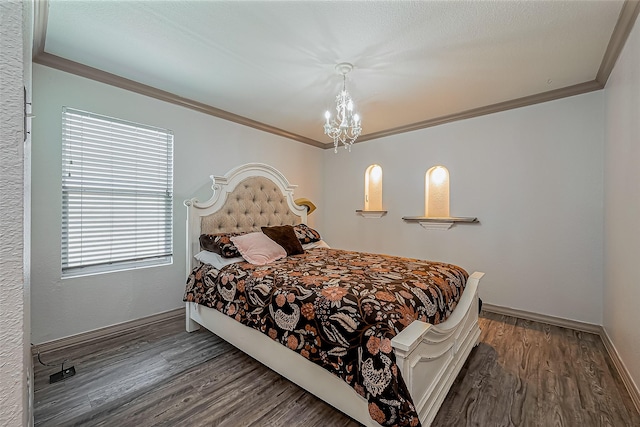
[[429, 356]]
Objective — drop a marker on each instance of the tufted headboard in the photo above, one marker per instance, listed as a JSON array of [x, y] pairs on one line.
[[255, 202], [248, 197]]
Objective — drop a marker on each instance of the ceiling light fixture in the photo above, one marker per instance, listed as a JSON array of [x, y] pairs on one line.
[[346, 126]]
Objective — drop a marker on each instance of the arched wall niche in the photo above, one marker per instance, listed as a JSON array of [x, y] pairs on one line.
[[373, 188], [436, 192], [372, 193], [436, 202]]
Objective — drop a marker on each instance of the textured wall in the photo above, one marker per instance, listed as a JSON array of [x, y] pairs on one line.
[[622, 205], [12, 370]]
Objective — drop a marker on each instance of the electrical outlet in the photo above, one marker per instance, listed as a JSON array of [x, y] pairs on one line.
[[62, 375]]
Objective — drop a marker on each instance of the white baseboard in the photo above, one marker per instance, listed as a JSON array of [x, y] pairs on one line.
[[621, 368], [107, 332], [544, 318], [631, 386]]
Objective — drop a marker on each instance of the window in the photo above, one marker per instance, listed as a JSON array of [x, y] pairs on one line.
[[117, 194]]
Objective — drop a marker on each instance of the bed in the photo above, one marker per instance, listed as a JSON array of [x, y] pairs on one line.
[[417, 363]]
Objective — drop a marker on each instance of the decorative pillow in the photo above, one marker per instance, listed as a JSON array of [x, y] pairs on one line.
[[313, 245], [257, 248], [220, 243], [216, 260], [306, 234], [285, 237]]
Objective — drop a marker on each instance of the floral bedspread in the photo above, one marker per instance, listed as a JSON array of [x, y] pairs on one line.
[[339, 309]]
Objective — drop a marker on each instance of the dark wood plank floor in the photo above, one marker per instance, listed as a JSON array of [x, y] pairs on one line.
[[521, 374]]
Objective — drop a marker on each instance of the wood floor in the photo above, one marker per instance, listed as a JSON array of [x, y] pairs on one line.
[[521, 374]]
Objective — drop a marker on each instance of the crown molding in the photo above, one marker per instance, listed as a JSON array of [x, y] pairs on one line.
[[488, 109], [41, 13], [624, 25], [40, 20], [626, 21], [82, 70]]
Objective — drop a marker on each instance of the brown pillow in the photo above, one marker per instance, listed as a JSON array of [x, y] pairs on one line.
[[285, 237]]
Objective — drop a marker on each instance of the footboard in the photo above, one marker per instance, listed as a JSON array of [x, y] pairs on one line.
[[430, 357]]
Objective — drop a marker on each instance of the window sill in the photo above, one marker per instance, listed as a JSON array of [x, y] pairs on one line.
[[94, 271]]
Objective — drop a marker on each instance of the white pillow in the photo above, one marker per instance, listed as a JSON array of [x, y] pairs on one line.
[[258, 248], [313, 245], [218, 261], [215, 260]]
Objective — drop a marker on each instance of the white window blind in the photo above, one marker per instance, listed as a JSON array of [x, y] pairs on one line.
[[117, 194]]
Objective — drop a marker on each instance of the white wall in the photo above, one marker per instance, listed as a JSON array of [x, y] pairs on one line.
[[203, 145], [14, 289], [622, 205], [533, 177]]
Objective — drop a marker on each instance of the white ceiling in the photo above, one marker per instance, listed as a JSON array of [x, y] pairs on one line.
[[273, 62]]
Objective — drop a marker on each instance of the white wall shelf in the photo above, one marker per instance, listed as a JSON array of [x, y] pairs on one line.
[[371, 214], [439, 223]]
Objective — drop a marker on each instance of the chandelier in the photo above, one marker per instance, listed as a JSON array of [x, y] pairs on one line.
[[345, 127]]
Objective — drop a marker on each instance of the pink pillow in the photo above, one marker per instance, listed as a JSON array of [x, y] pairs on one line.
[[258, 248]]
